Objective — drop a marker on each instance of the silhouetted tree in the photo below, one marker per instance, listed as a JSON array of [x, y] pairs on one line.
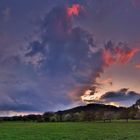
[[124, 114], [47, 116]]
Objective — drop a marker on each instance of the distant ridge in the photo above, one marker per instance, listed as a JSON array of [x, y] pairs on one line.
[[93, 107]]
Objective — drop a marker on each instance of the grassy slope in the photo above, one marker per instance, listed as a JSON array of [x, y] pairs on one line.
[[70, 131]]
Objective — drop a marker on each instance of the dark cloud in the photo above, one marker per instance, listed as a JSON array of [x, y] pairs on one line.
[[120, 96], [56, 25], [67, 51], [20, 100], [6, 14], [37, 47]]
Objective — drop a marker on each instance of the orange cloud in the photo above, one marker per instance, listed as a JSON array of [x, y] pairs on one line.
[[125, 56], [89, 97], [74, 10], [118, 55], [108, 58]]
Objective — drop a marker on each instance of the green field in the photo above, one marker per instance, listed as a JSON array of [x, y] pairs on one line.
[[70, 131]]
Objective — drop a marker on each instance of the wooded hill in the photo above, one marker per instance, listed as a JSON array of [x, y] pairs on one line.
[[90, 112]]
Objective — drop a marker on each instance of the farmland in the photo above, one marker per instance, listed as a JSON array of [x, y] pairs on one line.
[[70, 131]]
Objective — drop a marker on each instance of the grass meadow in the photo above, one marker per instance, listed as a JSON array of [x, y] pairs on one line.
[[70, 131]]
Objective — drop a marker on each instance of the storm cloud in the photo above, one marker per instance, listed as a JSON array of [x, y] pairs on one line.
[[121, 96], [69, 54], [60, 61]]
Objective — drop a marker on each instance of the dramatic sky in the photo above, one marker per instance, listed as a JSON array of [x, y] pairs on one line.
[[57, 54]]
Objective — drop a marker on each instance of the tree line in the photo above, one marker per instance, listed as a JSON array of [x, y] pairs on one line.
[[91, 112]]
